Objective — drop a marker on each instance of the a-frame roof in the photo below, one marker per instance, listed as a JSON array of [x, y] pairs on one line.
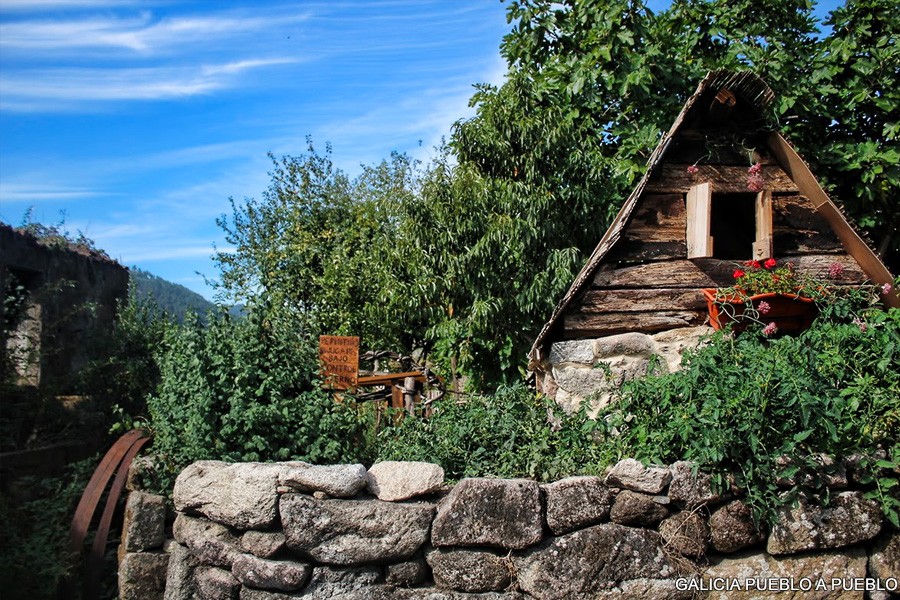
[[754, 92]]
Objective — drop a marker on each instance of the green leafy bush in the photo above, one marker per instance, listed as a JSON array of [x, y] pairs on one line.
[[741, 404], [514, 433], [247, 390]]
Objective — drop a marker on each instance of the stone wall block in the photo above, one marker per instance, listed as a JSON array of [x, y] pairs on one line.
[[632, 475], [211, 543], [144, 526], [625, 344], [214, 583], [500, 513], [469, 570], [590, 561], [264, 544], [240, 495], [577, 502], [180, 584], [850, 519], [671, 344], [687, 533], [261, 573], [354, 532], [691, 490], [573, 351], [142, 576], [631, 508], [400, 480], [884, 561], [338, 481], [349, 584], [407, 573], [848, 564], [732, 528]]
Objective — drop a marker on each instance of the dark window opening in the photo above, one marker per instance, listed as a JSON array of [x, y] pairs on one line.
[[733, 225]]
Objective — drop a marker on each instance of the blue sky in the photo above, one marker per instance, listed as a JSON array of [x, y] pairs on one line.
[[138, 119]]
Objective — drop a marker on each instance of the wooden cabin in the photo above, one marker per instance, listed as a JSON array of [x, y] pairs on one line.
[[697, 213]]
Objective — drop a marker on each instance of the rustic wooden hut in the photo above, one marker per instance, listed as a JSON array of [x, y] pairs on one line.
[[694, 215]]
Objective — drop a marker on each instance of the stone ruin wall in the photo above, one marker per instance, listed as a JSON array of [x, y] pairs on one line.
[[291, 530], [576, 370]]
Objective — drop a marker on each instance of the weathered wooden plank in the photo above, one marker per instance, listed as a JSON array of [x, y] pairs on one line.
[[763, 244], [712, 272], [809, 187], [799, 228], [639, 300], [635, 251], [699, 214], [657, 218], [588, 325], [675, 179]]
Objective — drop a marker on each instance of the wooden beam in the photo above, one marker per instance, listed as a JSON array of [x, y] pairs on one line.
[[727, 179], [762, 246], [699, 213], [387, 378], [639, 300], [596, 325], [853, 244]]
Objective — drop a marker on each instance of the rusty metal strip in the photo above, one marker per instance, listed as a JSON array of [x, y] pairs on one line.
[[94, 490], [87, 506], [94, 566]]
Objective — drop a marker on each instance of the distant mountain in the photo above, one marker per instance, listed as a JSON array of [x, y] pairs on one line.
[[176, 300]]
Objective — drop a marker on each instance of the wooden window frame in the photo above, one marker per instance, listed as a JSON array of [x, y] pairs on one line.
[[700, 243]]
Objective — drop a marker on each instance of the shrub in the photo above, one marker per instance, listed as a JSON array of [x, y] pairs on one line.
[[514, 433], [246, 390], [741, 404]]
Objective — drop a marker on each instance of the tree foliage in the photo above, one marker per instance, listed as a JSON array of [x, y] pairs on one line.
[[466, 256]]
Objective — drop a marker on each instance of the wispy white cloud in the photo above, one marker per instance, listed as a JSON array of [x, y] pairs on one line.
[[38, 89], [138, 34], [13, 192], [38, 5]]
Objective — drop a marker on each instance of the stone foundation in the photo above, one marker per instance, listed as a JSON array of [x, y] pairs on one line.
[[273, 532], [578, 369]]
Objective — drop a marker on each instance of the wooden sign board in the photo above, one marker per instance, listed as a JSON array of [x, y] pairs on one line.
[[339, 356]]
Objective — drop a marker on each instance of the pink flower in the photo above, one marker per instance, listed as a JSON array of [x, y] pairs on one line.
[[764, 307], [756, 183], [770, 263], [770, 329], [835, 270], [738, 274], [886, 289], [755, 169], [861, 324], [693, 170]]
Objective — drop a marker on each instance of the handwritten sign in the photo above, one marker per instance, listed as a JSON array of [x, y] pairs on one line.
[[339, 356]]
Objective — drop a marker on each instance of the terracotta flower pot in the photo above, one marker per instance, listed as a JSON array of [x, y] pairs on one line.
[[789, 312]]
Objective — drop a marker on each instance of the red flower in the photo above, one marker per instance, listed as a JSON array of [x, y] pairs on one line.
[[770, 263], [693, 170], [835, 269], [738, 274], [755, 169], [770, 329], [764, 307]]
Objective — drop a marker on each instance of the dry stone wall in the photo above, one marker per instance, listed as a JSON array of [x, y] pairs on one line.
[[292, 530]]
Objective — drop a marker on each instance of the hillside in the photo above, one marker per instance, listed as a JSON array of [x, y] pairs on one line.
[[176, 300]]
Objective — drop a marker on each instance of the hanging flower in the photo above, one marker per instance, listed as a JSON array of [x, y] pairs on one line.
[[764, 307], [861, 324], [755, 180], [693, 169], [886, 289], [835, 269], [770, 329]]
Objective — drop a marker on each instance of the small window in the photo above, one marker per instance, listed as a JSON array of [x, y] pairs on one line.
[[730, 226]]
